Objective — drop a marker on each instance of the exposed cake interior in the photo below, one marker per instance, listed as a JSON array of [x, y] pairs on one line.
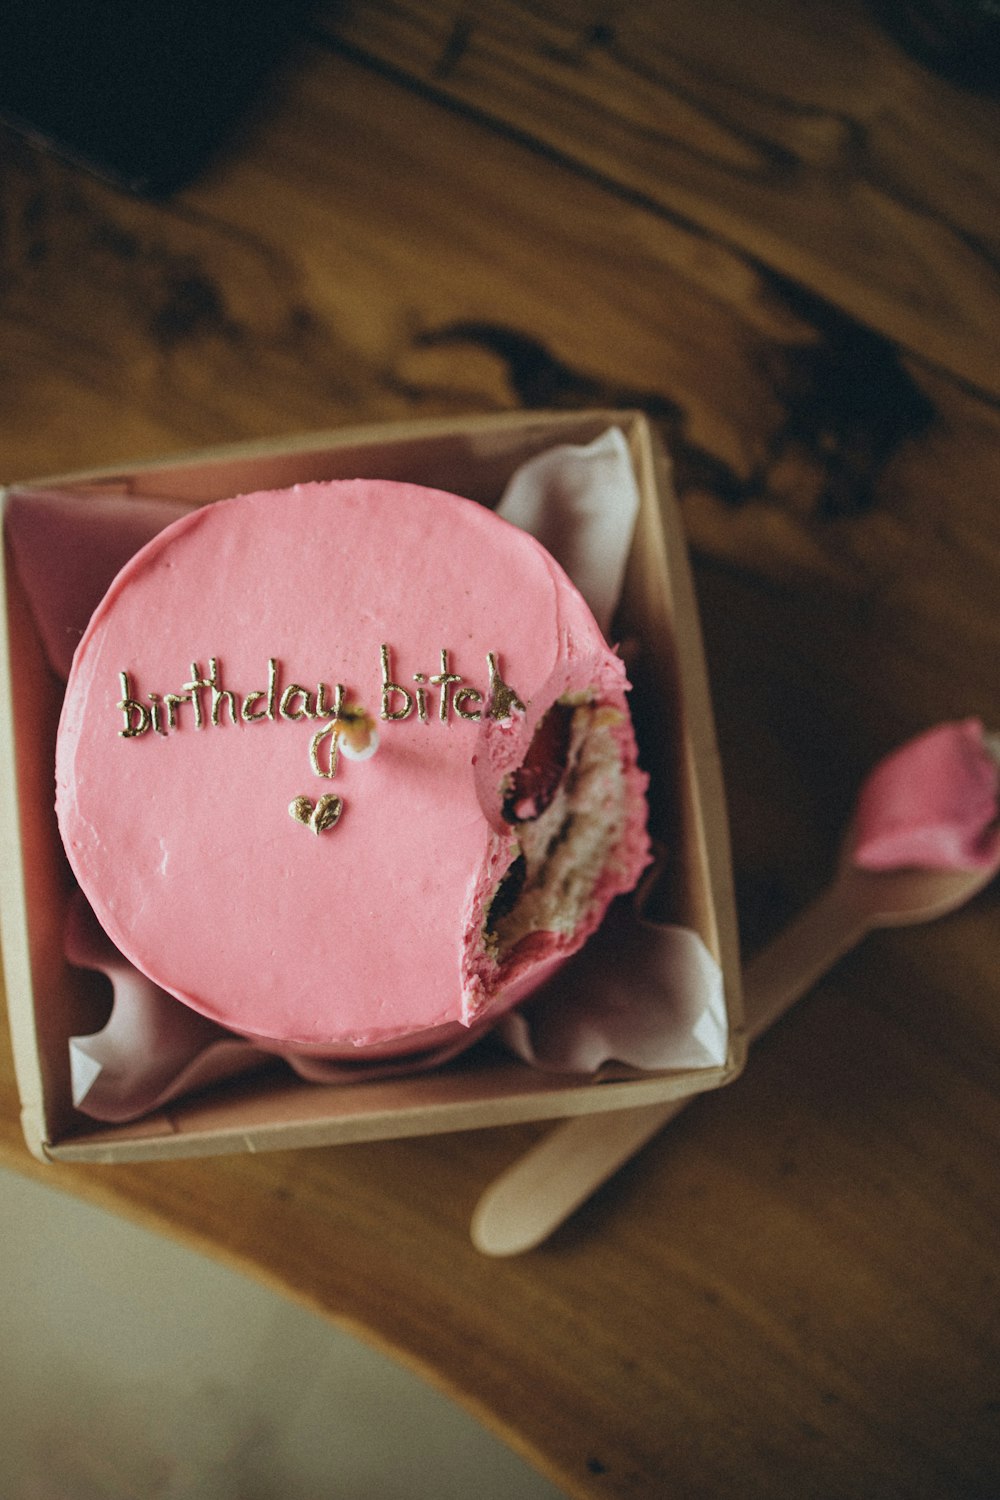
[[568, 809]]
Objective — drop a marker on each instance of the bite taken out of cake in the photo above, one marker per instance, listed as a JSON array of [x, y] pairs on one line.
[[349, 767]]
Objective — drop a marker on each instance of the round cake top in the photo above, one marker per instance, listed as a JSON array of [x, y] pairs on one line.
[[207, 798]]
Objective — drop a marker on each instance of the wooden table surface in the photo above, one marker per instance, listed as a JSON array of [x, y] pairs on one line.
[[776, 230]]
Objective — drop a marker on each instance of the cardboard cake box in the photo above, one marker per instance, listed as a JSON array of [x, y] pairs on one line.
[[49, 1000]]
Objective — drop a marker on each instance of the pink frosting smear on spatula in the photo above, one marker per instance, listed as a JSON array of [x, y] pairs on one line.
[[933, 804]]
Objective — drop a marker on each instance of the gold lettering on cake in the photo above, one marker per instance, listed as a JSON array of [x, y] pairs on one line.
[[502, 696], [323, 709], [353, 731], [173, 702], [330, 732], [254, 715], [421, 694], [294, 702], [348, 727], [272, 688], [390, 688], [220, 696], [137, 719], [470, 695], [305, 709], [344, 727], [444, 680], [398, 702], [154, 713], [194, 688], [248, 716]]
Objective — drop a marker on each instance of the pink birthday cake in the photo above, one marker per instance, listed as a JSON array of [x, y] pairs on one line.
[[348, 767]]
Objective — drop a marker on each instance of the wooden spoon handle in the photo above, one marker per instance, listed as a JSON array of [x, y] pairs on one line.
[[803, 951], [542, 1188]]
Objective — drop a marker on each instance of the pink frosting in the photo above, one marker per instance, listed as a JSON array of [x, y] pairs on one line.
[[365, 937], [932, 804]]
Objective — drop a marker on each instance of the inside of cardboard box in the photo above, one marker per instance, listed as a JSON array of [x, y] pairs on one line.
[[481, 1087], [475, 463], [36, 701]]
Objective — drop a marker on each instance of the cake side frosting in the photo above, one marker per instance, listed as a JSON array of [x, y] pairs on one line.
[[236, 854]]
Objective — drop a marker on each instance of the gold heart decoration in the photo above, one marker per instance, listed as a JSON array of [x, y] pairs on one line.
[[318, 816], [328, 811]]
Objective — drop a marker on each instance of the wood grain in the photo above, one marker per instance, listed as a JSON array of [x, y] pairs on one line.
[[803, 136], [776, 232]]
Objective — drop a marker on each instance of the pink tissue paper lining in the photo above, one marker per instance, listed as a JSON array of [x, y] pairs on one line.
[[643, 995]]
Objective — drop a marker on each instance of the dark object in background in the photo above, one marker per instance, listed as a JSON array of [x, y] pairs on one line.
[[960, 39], [139, 91]]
